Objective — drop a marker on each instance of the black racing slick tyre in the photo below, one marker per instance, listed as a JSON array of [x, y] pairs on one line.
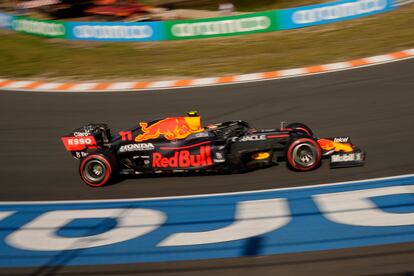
[[301, 127], [97, 169], [303, 154]]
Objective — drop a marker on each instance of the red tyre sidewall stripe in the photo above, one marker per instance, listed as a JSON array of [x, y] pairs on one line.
[[304, 130], [298, 128], [304, 140], [108, 170]]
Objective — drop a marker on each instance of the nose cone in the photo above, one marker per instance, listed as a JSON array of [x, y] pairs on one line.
[[343, 147], [326, 144]]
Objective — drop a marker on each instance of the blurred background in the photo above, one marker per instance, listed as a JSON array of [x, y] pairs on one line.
[[66, 43]]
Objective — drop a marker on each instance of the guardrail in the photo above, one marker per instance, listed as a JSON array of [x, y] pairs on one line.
[[202, 28]]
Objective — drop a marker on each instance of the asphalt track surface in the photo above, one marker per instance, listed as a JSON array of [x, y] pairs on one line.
[[373, 105]]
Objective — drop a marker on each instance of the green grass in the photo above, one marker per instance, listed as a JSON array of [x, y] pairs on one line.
[[24, 56]]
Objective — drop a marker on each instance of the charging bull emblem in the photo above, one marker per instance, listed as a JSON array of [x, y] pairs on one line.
[[171, 128]]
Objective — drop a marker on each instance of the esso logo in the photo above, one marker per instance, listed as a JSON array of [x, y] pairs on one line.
[[80, 141]]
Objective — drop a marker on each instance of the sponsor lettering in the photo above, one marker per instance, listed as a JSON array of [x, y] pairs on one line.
[[136, 147], [80, 141], [346, 157], [183, 159], [80, 154], [201, 134], [126, 228], [253, 138], [227, 26], [341, 139], [338, 11], [81, 134], [219, 155], [39, 27], [113, 31], [361, 213]]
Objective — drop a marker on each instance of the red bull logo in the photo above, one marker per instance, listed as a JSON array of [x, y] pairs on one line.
[[171, 128], [183, 159], [327, 144]]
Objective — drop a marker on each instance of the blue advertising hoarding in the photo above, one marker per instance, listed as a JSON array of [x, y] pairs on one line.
[[280, 221], [330, 12], [5, 21], [155, 31], [116, 31]]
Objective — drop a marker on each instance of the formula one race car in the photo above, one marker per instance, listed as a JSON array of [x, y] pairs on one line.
[[181, 144]]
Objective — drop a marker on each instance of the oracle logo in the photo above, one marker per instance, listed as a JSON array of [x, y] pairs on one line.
[[183, 159]]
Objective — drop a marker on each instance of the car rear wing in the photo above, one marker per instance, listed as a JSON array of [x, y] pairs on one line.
[[91, 136], [74, 143]]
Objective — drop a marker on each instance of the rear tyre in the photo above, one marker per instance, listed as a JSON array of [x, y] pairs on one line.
[[303, 154], [97, 169], [301, 127]]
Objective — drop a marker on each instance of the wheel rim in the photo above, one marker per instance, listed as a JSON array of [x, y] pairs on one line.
[[94, 171], [304, 155]]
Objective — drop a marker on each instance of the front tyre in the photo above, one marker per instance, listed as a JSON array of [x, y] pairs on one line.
[[300, 127], [303, 154], [96, 169]]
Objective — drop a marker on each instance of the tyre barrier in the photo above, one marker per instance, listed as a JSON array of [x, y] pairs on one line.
[[258, 22]]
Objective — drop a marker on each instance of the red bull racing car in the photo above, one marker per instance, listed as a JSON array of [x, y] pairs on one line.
[[181, 144]]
